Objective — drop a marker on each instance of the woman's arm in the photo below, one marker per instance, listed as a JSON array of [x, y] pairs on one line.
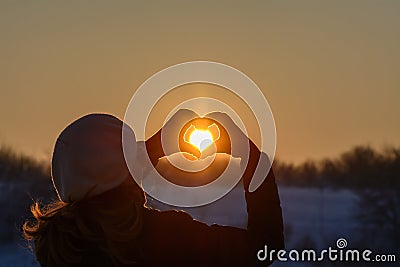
[[174, 237], [181, 239]]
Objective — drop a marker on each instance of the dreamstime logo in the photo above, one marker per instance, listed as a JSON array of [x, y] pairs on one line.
[[156, 88], [341, 243], [331, 254]]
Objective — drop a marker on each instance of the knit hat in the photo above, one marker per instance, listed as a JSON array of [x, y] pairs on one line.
[[88, 157]]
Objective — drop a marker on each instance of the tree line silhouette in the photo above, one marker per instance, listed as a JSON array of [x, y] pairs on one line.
[[373, 175], [359, 168]]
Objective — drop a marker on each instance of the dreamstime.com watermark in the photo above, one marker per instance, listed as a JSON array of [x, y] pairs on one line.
[[331, 254]]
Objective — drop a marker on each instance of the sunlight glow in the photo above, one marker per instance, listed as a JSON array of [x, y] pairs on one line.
[[201, 139]]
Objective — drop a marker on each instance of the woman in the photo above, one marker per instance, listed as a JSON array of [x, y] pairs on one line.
[[101, 219]]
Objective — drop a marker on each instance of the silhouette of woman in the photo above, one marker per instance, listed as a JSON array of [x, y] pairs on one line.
[[100, 218]]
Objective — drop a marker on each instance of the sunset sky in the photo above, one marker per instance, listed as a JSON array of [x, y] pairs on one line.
[[330, 70]]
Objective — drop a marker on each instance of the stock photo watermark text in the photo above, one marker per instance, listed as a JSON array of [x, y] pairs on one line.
[[340, 253]]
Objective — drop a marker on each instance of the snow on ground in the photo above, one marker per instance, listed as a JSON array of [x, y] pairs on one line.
[[324, 216]]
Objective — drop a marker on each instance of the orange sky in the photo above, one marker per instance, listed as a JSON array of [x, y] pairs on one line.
[[330, 70]]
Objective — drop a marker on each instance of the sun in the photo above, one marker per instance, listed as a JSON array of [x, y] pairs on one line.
[[201, 139]]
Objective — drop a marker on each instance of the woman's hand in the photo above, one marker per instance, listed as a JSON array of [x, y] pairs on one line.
[[256, 164], [170, 130], [240, 143]]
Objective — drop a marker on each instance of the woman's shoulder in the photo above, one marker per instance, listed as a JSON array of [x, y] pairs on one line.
[[160, 217]]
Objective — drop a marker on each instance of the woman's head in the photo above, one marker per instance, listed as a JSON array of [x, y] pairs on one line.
[[88, 157], [100, 205]]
